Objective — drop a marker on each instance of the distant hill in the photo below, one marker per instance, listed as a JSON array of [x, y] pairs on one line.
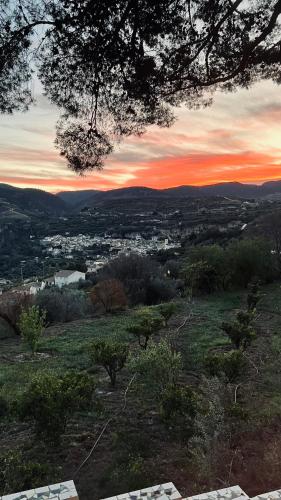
[[89, 198], [30, 200], [75, 197], [15, 201]]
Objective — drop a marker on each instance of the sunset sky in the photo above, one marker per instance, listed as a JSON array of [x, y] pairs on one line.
[[236, 139]]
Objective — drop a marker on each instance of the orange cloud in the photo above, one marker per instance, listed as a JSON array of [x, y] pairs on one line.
[[194, 169], [237, 139], [200, 169]]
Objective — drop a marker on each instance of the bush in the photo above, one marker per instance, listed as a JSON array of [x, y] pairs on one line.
[[240, 332], [211, 267], [217, 259], [19, 474], [4, 407], [129, 472], [230, 364], [145, 324], [250, 259], [112, 355], [11, 307], [31, 325], [253, 297], [62, 305], [178, 408], [157, 368], [110, 295], [51, 399], [167, 311], [200, 277], [136, 273], [159, 290], [173, 268]]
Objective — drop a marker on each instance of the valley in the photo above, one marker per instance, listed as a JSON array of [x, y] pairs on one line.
[[36, 235]]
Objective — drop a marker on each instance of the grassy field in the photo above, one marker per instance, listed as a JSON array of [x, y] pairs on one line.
[[65, 346], [195, 328]]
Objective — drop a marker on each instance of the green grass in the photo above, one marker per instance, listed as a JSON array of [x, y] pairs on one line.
[[66, 346], [203, 331]]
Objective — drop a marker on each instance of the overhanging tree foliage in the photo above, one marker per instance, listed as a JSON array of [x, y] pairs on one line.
[[115, 67]]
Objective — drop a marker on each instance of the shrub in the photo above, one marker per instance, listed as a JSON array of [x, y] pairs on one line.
[[200, 277], [51, 399], [62, 305], [129, 472], [179, 407], [136, 272], [110, 295], [250, 259], [112, 355], [157, 368], [4, 407], [19, 474], [253, 297], [177, 400], [160, 289], [236, 411], [231, 364], [217, 259], [145, 323], [167, 311], [11, 307], [31, 325], [173, 268], [240, 332]]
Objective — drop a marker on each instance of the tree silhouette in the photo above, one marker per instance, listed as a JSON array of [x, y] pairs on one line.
[[115, 67]]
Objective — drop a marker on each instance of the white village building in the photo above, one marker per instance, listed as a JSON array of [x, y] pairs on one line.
[[36, 287], [66, 277]]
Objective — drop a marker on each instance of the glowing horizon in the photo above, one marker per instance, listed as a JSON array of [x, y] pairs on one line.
[[234, 140]]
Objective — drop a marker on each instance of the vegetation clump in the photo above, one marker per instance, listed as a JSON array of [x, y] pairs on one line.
[[240, 332], [19, 474], [157, 368], [145, 324], [112, 355], [230, 364], [31, 324], [110, 295], [51, 399], [166, 310], [62, 305]]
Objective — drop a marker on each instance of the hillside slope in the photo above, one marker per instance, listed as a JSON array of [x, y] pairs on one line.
[[31, 200], [91, 198]]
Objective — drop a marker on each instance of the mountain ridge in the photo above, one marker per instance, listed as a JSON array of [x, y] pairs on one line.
[[31, 200], [225, 189]]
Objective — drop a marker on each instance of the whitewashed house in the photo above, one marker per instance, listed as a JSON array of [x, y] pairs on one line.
[[66, 277], [36, 287]]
